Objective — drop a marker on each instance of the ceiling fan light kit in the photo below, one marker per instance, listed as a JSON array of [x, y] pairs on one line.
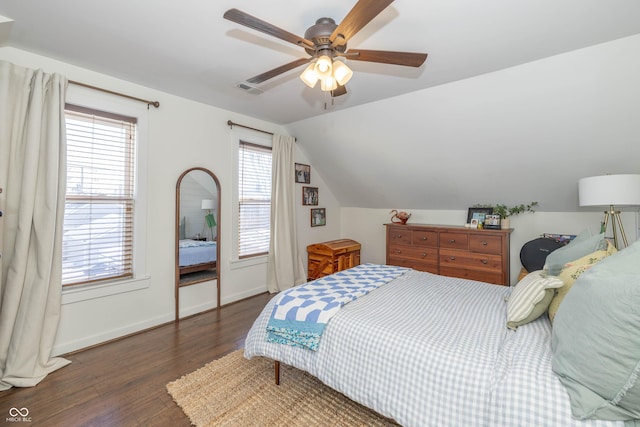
[[325, 40]]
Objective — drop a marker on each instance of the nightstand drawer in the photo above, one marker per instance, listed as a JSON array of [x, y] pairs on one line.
[[454, 241], [485, 244]]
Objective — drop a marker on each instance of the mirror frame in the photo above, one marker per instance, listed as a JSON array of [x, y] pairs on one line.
[[179, 285]]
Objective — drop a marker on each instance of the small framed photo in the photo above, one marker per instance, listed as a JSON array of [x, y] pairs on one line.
[[318, 217], [492, 222], [303, 173], [479, 215], [310, 196]]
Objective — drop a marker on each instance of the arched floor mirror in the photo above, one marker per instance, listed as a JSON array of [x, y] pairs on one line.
[[197, 240]]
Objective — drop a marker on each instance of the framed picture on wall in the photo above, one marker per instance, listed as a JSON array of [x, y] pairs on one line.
[[303, 173], [318, 217], [310, 196]]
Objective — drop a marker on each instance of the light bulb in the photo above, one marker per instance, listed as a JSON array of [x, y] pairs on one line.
[[323, 66]]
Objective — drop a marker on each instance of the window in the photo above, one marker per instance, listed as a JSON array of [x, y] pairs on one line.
[[254, 199], [99, 211]]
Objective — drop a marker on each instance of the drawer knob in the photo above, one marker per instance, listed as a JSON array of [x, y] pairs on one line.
[[452, 241], [484, 261], [398, 252], [453, 258], [399, 236], [424, 254], [424, 238], [485, 243]]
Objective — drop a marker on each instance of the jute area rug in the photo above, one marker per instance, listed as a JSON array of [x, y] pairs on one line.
[[234, 391]]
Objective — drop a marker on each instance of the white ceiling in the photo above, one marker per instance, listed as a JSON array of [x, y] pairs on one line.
[[187, 48]]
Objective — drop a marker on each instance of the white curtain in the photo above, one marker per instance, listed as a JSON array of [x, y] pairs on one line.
[[285, 268], [32, 178]]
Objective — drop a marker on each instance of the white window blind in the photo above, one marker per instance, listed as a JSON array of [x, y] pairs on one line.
[[254, 196], [98, 222]]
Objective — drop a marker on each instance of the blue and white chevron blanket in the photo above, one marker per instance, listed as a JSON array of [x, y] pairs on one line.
[[301, 313]]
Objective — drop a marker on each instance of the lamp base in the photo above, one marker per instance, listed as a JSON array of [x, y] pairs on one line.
[[616, 222]]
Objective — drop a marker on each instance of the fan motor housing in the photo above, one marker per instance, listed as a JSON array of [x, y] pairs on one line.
[[320, 34]]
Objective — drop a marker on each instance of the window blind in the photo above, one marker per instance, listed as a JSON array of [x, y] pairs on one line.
[[254, 195], [98, 222]]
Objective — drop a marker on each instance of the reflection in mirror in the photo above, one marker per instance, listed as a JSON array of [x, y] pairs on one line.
[[197, 230]]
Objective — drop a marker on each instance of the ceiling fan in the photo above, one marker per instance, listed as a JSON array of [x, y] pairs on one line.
[[324, 42]]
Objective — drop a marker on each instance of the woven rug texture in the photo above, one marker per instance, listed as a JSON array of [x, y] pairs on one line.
[[234, 391]]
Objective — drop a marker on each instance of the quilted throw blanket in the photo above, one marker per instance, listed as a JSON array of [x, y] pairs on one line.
[[300, 314]]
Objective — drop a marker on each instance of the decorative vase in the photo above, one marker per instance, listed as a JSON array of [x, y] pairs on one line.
[[504, 223]]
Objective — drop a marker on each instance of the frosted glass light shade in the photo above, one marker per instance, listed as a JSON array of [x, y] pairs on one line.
[[328, 84], [207, 204], [341, 72], [324, 66], [309, 76], [609, 190]]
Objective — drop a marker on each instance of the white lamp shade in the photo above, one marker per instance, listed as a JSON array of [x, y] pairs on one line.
[[207, 204], [608, 190], [309, 76], [341, 72]]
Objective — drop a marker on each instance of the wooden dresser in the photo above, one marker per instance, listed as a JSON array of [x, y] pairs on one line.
[[330, 257], [451, 251]]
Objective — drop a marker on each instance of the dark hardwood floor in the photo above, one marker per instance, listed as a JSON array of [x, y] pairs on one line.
[[122, 383]]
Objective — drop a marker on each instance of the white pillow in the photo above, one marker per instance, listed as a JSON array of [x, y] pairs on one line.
[[523, 304]]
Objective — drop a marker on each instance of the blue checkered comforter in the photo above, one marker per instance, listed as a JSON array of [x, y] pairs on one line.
[[301, 314]]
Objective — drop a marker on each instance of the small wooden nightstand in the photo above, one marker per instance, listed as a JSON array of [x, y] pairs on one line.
[[330, 257]]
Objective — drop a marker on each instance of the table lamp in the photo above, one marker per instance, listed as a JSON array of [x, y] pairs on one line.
[[612, 191]]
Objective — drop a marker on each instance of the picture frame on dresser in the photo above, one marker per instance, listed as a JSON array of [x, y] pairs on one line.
[[478, 214], [492, 222]]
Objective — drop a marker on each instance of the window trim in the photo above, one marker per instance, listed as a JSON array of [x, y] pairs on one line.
[[260, 139], [95, 100]]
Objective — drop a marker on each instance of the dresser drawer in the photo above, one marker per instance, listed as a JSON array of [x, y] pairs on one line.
[[425, 238], [398, 236], [485, 244], [454, 241], [430, 268], [470, 260], [414, 253], [482, 276]]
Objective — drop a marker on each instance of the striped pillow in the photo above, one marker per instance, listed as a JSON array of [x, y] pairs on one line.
[[527, 301]]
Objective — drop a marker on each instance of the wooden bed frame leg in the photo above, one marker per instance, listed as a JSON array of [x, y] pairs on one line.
[[276, 367]]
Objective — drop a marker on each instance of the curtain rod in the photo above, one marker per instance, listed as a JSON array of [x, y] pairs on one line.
[[154, 103], [232, 124]]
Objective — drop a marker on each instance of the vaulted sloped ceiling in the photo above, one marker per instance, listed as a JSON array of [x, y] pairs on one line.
[[516, 101]]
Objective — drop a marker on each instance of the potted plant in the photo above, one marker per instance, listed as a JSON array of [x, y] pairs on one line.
[[505, 212]]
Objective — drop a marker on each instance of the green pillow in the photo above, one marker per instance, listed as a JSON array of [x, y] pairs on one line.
[[530, 298], [579, 247], [596, 339]]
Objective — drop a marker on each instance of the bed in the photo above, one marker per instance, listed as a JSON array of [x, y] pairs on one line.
[[430, 350], [196, 255]]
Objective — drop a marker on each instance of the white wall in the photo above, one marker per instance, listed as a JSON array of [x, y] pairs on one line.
[[181, 134], [367, 227]]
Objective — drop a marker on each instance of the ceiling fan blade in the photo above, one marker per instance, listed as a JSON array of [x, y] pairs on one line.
[[409, 59], [258, 24], [277, 71], [339, 91], [359, 16]]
